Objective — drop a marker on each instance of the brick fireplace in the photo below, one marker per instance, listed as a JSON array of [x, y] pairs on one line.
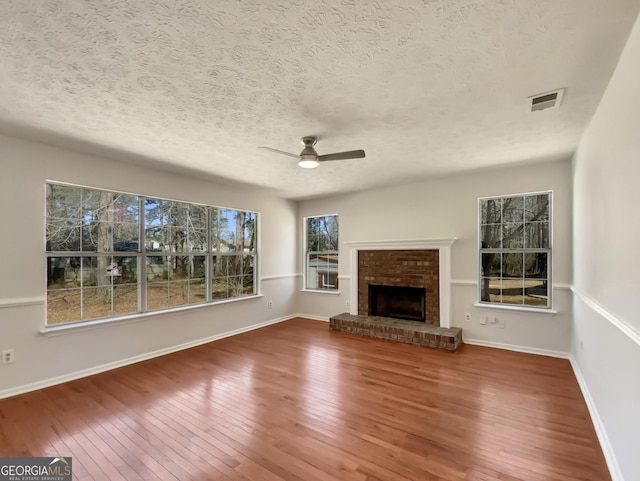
[[400, 268], [388, 258], [413, 265]]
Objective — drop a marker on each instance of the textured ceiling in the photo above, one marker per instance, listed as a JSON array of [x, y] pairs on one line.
[[425, 87]]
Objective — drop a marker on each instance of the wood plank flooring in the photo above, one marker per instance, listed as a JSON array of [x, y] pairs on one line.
[[295, 401]]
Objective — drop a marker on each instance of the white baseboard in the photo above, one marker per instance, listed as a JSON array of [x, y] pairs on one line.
[[513, 347], [312, 317], [605, 444], [132, 360]]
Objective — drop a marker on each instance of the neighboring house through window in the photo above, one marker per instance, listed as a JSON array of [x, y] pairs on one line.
[[321, 237], [111, 254], [515, 250]]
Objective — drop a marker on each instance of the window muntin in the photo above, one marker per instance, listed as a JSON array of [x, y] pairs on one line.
[[321, 259], [515, 250], [98, 267]]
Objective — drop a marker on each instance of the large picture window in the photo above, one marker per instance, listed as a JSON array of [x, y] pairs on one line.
[[111, 254], [321, 237], [515, 250]]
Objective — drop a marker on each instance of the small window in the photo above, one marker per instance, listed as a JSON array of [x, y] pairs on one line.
[[515, 250], [321, 234]]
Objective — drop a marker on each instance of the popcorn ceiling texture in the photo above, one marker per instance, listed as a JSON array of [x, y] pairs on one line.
[[425, 87]]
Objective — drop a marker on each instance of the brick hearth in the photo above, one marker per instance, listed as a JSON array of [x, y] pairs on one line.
[[409, 332]]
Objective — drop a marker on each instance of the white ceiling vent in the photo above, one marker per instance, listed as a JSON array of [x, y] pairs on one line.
[[548, 100]]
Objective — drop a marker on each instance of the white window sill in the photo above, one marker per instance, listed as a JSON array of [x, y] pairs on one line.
[[72, 327], [321, 291], [510, 307]]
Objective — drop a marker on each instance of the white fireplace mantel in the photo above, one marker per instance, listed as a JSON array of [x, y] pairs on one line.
[[443, 246]]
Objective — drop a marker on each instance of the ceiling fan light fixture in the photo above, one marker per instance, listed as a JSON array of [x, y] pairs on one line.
[[308, 162]]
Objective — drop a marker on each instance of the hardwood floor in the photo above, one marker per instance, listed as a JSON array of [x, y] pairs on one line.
[[295, 401]]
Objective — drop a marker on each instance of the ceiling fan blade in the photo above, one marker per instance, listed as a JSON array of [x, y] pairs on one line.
[[352, 154], [280, 152]]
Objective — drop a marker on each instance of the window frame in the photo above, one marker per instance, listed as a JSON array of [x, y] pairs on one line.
[[549, 307], [143, 255], [335, 288]]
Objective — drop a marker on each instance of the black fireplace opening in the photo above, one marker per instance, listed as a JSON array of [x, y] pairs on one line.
[[397, 301]]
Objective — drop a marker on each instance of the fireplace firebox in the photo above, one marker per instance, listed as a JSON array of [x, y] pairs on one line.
[[397, 301]]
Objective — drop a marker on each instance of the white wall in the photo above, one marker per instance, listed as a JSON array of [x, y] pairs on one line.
[[606, 334], [445, 208], [23, 170]]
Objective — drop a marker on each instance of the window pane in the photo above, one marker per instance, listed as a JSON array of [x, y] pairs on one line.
[[248, 262], [97, 220], [197, 241], [490, 289], [537, 235], [198, 268], [219, 265], [63, 306], [236, 287], [96, 302], [491, 264], [234, 264], [227, 230], [126, 237], [175, 239], [512, 265], [63, 272], [537, 207], [219, 288], [512, 236], [491, 236], [535, 292], [535, 265], [157, 221], [178, 267], [98, 271], [126, 208], [64, 201], [512, 291], [250, 232], [490, 211], [513, 210], [125, 270], [312, 271], [125, 299], [157, 296], [197, 291], [157, 269], [63, 234], [248, 287], [178, 293]]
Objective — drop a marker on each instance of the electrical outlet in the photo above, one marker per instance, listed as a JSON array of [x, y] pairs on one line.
[[348, 304], [467, 317], [581, 345], [8, 356], [270, 304]]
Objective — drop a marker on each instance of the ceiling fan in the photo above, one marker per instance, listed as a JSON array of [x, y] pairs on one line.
[[309, 158]]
